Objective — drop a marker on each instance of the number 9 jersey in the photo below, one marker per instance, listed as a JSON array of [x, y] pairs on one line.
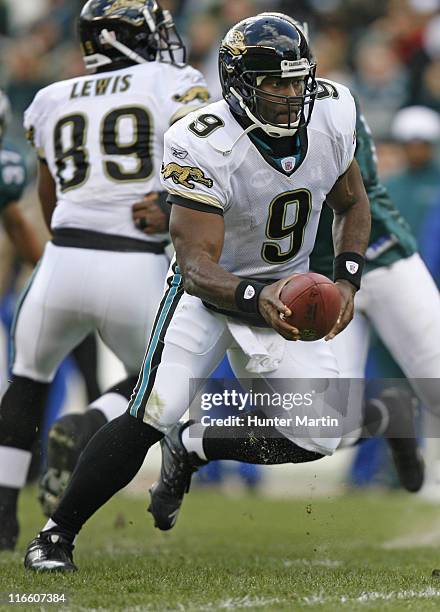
[[271, 206], [102, 138]]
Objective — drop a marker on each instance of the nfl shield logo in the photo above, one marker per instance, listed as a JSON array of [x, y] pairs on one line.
[[352, 266], [288, 163]]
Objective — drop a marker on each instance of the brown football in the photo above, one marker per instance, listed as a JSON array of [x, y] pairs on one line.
[[315, 303]]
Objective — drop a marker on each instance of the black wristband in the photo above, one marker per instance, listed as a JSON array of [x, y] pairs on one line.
[[247, 294], [348, 266]]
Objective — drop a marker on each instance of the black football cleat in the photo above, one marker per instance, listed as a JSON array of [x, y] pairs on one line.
[[50, 552], [401, 437], [178, 466], [66, 440]]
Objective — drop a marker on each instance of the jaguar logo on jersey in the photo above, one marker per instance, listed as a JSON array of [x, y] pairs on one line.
[[182, 175], [235, 42], [288, 163], [193, 93], [352, 266]]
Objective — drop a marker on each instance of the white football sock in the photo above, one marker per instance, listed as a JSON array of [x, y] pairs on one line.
[[49, 525], [14, 466], [111, 405], [192, 440]]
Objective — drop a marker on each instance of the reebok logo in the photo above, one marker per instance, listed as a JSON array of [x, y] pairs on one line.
[[352, 267], [249, 292]]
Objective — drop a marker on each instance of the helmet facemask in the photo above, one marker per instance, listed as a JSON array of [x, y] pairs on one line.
[[295, 109], [169, 40]]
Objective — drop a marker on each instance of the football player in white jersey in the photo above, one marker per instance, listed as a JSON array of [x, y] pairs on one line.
[[99, 140], [247, 177]]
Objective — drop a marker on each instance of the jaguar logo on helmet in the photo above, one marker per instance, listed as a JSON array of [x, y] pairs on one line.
[[117, 4], [268, 45], [235, 42]]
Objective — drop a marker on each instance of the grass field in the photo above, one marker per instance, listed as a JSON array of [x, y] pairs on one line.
[[358, 552]]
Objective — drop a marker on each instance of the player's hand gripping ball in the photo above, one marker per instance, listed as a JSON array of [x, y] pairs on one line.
[[315, 303]]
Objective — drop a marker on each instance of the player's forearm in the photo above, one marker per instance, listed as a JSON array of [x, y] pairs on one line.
[[207, 280], [351, 228], [198, 240], [352, 218]]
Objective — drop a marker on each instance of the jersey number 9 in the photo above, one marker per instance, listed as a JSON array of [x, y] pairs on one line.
[[277, 227]]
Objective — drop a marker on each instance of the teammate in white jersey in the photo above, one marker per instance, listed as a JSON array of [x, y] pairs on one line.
[[247, 178], [100, 144]]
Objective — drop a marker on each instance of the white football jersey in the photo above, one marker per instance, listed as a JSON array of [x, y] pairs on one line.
[[102, 138], [271, 214]]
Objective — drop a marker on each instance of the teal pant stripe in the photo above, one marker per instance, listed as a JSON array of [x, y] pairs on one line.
[[18, 306], [153, 345]]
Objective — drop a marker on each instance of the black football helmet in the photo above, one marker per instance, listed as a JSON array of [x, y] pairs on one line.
[[116, 33], [270, 44], [301, 25], [5, 114]]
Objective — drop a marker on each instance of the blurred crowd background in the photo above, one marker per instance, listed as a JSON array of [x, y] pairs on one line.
[[387, 52]]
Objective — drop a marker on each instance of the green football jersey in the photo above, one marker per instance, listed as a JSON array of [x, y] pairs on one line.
[[391, 238], [12, 176]]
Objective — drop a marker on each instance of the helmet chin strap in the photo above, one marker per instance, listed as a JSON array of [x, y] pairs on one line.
[[271, 130], [110, 39], [229, 151]]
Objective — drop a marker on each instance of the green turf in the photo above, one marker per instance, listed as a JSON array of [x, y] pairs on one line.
[[246, 553]]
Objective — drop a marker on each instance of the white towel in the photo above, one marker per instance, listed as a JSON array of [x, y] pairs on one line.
[[264, 347]]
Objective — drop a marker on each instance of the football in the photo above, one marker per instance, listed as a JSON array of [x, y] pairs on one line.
[[315, 303]]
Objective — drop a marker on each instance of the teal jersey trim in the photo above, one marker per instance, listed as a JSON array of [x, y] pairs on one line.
[[146, 367], [277, 159]]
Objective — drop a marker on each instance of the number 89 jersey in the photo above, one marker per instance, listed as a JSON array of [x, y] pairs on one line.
[[102, 138], [271, 212]]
